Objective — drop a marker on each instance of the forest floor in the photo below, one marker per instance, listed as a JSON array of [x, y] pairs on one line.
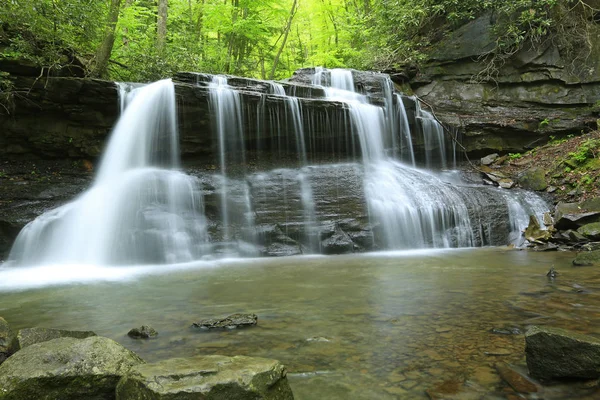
[[571, 166]]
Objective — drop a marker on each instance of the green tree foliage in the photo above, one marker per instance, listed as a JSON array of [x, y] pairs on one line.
[[265, 38]]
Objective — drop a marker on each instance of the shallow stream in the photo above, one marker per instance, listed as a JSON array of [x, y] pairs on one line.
[[361, 326]]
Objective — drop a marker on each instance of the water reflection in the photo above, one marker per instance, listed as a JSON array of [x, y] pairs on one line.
[[389, 325]]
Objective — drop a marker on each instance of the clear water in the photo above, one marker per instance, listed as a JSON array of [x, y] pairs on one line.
[[371, 326]]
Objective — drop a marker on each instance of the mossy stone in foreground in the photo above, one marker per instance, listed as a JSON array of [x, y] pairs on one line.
[[28, 336], [66, 369], [554, 353], [207, 377], [7, 340], [587, 259]]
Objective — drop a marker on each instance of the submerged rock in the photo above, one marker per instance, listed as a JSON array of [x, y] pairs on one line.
[[231, 322], [587, 259], [143, 332], [554, 353], [7, 340], [66, 369], [518, 381], [207, 377], [28, 336]]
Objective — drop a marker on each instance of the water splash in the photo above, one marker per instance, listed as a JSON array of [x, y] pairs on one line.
[[140, 209]]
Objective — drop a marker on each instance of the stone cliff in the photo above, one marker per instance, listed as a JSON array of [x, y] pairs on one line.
[[537, 93]]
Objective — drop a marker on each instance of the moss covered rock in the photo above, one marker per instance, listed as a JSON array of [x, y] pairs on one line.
[[207, 377], [27, 337], [534, 179], [587, 258], [66, 369], [554, 353], [591, 231], [7, 340]]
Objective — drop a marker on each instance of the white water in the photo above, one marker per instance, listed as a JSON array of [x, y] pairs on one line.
[[140, 208]]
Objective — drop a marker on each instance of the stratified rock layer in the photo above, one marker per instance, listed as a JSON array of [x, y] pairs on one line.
[[516, 104]]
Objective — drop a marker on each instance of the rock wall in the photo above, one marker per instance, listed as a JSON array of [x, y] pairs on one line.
[[538, 93]]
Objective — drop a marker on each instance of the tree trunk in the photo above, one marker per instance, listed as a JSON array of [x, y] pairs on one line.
[[161, 26], [285, 36], [105, 49]]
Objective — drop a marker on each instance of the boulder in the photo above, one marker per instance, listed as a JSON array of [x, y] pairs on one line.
[[534, 179], [590, 231], [534, 233], [587, 258], [207, 377], [338, 243], [143, 332], [66, 369], [231, 322], [7, 340], [487, 160], [28, 336], [554, 353], [576, 215]]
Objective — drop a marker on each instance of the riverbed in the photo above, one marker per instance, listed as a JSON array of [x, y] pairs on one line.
[[388, 325]]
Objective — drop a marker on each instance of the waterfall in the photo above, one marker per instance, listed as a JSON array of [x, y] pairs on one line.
[[140, 208], [321, 166]]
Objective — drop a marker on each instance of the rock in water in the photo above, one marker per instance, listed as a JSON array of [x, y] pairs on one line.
[[28, 336], [587, 259], [231, 322], [7, 340], [207, 377], [66, 369], [554, 353], [534, 233], [143, 332]]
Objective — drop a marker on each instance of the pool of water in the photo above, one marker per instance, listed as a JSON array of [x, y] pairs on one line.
[[368, 326]]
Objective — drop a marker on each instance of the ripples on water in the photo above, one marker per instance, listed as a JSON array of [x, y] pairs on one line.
[[372, 326]]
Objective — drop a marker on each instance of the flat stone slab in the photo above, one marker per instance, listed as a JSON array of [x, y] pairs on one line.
[[207, 377], [554, 353], [28, 336], [66, 369], [231, 322]]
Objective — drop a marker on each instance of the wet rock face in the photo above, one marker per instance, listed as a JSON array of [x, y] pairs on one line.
[[210, 377], [554, 353], [66, 368], [531, 97]]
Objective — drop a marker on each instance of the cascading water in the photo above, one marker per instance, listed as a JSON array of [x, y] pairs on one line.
[[140, 209], [359, 190]]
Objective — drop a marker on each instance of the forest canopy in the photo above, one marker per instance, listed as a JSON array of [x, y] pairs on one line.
[[140, 40]]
